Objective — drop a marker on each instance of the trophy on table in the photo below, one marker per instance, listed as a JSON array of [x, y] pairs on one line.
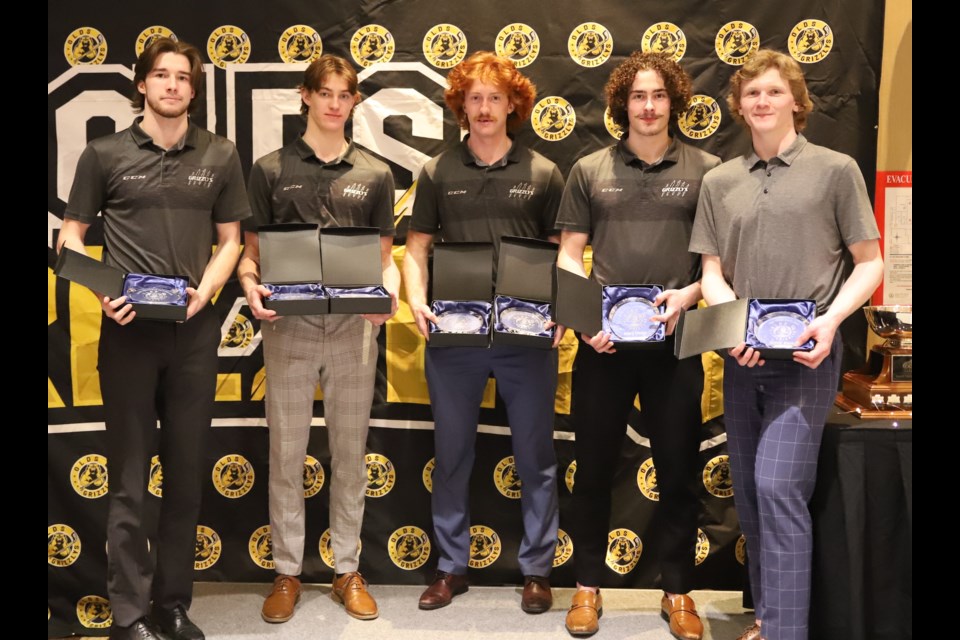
[[884, 388]]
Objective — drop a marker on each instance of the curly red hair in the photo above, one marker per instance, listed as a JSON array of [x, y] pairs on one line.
[[490, 68], [758, 64]]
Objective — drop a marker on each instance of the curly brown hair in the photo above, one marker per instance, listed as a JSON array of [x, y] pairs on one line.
[[675, 80], [490, 68], [758, 64]]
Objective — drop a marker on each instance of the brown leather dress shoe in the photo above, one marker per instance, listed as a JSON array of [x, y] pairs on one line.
[[537, 596], [751, 633], [681, 612], [444, 587], [583, 618], [279, 605], [351, 590]]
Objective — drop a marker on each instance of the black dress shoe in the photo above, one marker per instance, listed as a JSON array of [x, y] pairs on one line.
[[142, 629], [175, 623]]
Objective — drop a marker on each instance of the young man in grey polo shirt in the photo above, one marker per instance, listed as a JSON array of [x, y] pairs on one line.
[[635, 202], [777, 223], [161, 186], [486, 187], [320, 178]]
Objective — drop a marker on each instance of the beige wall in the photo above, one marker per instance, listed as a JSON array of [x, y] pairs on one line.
[[895, 139]]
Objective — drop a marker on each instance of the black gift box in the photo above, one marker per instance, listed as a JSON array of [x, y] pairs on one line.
[[525, 272], [462, 271], [351, 260], [290, 255]]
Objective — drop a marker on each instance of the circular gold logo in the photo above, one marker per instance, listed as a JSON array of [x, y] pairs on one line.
[[507, 479], [89, 476], [553, 118], [484, 546], [569, 475], [239, 335], [716, 477], [93, 612], [300, 43], [736, 41], [155, 484], [381, 475], [590, 44], [428, 474], [613, 128], [741, 549], [228, 45], [564, 548], [326, 548], [85, 45], [63, 545], [148, 35], [313, 477], [701, 119], [703, 547], [372, 44], [810, 41], [623, 550], [409, 547], [647, 480], [518, 42], [665, 37], [444, 46], [208, 547], [260, 547], [233, 476]]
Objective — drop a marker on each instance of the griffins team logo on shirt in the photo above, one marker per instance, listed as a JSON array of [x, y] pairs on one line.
[[590, 44], [506, 478], [701, 119], [623, 550], [740, 550], [444, 46], [313, 477], [518, 42], [372, 44], [260, 547], [484, 547], [228, 45], [155, 483], [717, 478], [300, 43], [612, 127], [564, 548], [381, 475], [94, 612], [735, 41], [666, 38], [89, 476], [233, 476], [85, 45], [569, 475], [810, 41], [207, 549], [702, 550], [553, 118], [647, 480], [148, 35], [326, 549], [427, 474], [409, 547], [63, 545]]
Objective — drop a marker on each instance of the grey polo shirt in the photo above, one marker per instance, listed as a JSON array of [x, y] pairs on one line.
[[292, 184], [159, 205], [781, 227], [639, 216]]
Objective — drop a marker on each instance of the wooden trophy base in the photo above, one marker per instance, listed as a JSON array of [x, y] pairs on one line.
[[867, 396]]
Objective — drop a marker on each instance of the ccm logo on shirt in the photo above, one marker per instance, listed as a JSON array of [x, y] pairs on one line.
[[137, 177]]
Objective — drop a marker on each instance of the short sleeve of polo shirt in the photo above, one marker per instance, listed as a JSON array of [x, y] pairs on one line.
[[259, 192], [551, 207], [574, 213], [88, 193], [703, 237], [855, 218], [232, 204], [382, 217], [426, 210]]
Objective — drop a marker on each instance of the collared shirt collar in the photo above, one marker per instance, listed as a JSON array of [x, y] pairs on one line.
[[786, 157], [467, 157], [142, 138], [306, 152], [672, 154]]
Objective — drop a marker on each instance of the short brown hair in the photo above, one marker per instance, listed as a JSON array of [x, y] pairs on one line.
[[148, 60], [490, 68], [675, 80], [323, 67], [758, 64]]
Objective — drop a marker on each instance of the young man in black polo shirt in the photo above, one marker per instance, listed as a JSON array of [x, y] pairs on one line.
[[158, 218], [635, 203], [320, 178], [468, 194]]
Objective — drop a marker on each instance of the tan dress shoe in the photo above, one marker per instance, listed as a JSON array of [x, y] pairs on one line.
[[279, 605], [442, 590], [583, 618], [537, 596], [350, 589], [681, 612], [751, 633]]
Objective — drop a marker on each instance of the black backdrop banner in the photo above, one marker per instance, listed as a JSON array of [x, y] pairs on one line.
[[256, 53]]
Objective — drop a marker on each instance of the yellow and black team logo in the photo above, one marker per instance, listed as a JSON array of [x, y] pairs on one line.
[[702, 549], [155, 483], [623, 550], [326, 548], [372, 44], [736, 41], [740, 550], [233, 476], [444, 46], [613, 128], [569, 475], [647, 480], [260, 547], [717, 478], [553, 118], [94, 612], [428, 474], [409, 547], [810, 41], [590, 44], [148, 35], [85, 45], [381, 475], [239, 335], [701, 119], [507, 479], [63, 545], [228, 45], [208, 547], [665, 37], [313, 477], [484, 547], [564, 548], [518, 42], [89, 476], [300, 43]]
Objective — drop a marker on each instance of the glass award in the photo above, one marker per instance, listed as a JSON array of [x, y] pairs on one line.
[[523, 321], [455, 321], [630, 319], [780, 329]]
